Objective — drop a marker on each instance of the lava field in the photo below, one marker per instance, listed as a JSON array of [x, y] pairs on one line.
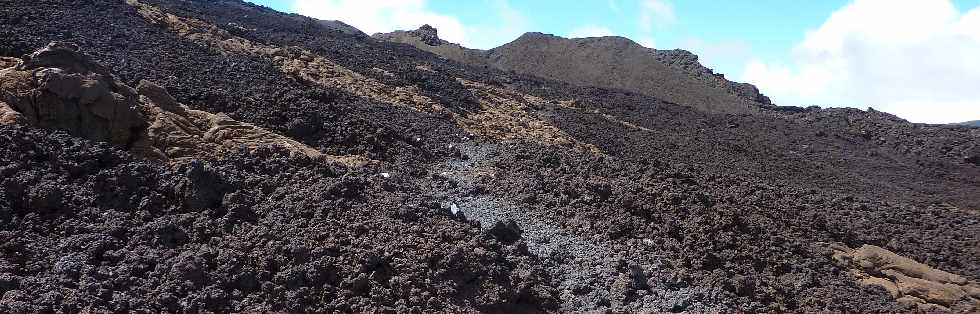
[[218, 156]]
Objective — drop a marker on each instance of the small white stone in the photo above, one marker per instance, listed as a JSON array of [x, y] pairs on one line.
[[453, 208], [385, 175]]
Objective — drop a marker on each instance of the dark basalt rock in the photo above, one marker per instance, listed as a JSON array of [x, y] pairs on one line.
[[203, 187], [676, 208], [428, 34], [62, 55], [507, 232]]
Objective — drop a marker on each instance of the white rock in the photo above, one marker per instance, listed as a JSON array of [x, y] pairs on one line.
[[385, 175]]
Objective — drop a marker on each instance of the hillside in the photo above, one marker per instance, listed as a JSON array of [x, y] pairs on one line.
[[971, 123], [218, 156], [609, 62]]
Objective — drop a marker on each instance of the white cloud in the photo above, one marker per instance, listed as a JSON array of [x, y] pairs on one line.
[[614, 6], [647, 42], [507, 25], [372, 16], [724, 56], [656, 13], [914, 58], [590, 31]]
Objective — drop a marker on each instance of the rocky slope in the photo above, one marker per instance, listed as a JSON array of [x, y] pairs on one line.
[[609, 62], [357, 175]]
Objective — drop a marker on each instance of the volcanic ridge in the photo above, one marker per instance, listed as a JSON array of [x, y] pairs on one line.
[[219, 156]]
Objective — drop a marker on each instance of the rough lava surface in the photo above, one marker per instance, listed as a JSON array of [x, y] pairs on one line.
[[218, 156]]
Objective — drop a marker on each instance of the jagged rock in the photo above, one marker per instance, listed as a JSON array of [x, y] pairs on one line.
[[62, 55], [157, 95], [57, 87], [688, 62], [905, 279], [360, 284], [972, 155], [9, 116], [638, 279], [202, 187], [8, 62], [301, 127], [425, 34], [426, 38], [429, 35], [750, 92], [507, 232], [46, 197], [975, 159], [743, 285], [8, 282], [189, 268]]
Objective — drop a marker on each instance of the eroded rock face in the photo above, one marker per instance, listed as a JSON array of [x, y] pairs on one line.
[[10, 116], [908, 281], [58, 87], [428, 35], [504, 116], [688, 62], [179, 132]]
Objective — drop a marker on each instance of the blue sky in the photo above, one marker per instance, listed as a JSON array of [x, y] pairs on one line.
[[748, 28], [800, 52]]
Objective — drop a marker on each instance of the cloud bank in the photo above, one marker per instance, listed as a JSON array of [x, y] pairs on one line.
[[917, 59], [656, 13]]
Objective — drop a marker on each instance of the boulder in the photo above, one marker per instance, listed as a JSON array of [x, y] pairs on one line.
[[507, 232], [428, 35], [202, 187], [57, 87], [157, 95], [9, 116]]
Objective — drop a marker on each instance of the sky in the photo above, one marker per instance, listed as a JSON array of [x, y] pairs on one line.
[[918, 59]]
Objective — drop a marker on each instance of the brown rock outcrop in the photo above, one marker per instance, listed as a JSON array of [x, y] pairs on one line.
[[181, 132], [504, 116], [58, 87], [9, 116], [907, 280]]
